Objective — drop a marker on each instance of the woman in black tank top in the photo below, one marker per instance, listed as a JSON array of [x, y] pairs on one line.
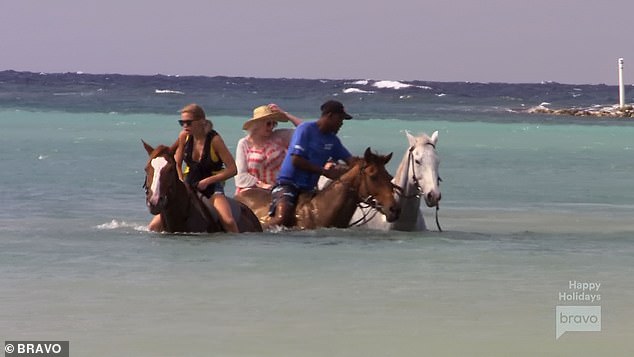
[[209, 162], [208, 165]]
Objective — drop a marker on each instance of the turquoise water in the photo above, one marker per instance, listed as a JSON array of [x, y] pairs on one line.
[[526, 208]]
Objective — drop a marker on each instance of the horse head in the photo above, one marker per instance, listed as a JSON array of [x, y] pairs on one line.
[[423, 167], [375, 184], [160, 175]]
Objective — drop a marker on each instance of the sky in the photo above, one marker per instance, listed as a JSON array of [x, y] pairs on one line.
[[513, 41]]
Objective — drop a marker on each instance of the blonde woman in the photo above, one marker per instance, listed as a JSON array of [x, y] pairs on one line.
[[208, 163], [260, 153]]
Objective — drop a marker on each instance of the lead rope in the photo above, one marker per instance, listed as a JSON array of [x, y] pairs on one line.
[[438, 223]]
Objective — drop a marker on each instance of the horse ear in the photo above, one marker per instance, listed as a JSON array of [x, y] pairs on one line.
[[410, 138], [147, 147], [387, 158], [434, 137], [367, 155]]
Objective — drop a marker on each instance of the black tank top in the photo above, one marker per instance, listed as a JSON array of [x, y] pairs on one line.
[[209, 163]]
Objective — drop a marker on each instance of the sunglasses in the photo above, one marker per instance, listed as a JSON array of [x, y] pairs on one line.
[[186, 122], [271, 123]]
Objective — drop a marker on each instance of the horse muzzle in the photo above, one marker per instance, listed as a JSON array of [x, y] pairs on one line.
[[392, 213], [432, 198], [156, 208]]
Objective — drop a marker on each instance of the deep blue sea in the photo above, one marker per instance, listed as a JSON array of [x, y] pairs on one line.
[[532, 204]]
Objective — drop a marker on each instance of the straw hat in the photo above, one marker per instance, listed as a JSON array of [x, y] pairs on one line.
[[263, 113]]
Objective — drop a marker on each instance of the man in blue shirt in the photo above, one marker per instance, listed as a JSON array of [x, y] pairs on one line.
[[312, 145]]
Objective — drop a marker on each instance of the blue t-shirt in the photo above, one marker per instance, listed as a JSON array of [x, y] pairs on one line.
[[316, 147]]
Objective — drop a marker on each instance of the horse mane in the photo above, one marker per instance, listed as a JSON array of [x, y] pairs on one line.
[[162, 150], [374, 158], [354, 161]]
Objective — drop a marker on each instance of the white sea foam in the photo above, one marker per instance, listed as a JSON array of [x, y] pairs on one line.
[[167, 91], [356, 90], [441, 94], [391, 84], [42, 157], [114, 224], [363, 82]]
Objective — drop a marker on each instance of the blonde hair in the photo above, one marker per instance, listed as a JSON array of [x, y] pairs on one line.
[[195, 110]]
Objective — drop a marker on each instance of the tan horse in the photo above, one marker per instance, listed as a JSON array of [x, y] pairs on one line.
[[366, 181], [182, 209]]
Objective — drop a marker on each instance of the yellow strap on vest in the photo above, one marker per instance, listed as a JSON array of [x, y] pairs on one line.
[[212, 154]]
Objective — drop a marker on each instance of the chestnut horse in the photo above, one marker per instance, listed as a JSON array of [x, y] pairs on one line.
[[366, 181], [418, 180], [182, 209]]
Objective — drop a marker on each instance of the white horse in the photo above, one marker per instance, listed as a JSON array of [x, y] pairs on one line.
[[416, 177]]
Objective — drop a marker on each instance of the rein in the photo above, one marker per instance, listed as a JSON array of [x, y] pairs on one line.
[[369, 210]]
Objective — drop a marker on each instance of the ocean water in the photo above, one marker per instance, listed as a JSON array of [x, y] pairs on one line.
[[530, 203]]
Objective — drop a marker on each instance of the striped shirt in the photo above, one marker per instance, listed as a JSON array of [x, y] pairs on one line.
[[259, 164]]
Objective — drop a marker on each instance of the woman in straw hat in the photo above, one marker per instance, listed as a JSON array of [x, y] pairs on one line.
[[259, 155]]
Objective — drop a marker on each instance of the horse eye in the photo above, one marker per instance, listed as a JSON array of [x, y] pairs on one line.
[[418, 162]]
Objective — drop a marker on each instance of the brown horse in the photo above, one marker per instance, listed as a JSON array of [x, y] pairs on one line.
[[366, 181], [182, 209]]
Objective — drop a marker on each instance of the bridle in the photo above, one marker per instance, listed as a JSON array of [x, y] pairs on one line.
[[419, 189], [163, 198], [368, 205]]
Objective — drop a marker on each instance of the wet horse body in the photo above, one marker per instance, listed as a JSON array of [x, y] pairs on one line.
[[366, 180], [417, 177], [181, 209]]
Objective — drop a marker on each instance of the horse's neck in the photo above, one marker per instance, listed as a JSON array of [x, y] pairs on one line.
[[178, 209], [338, 201], [403, 177], [408, 199]]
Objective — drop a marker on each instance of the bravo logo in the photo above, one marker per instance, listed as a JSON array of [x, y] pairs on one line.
[[577, 318], [36, 348]]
